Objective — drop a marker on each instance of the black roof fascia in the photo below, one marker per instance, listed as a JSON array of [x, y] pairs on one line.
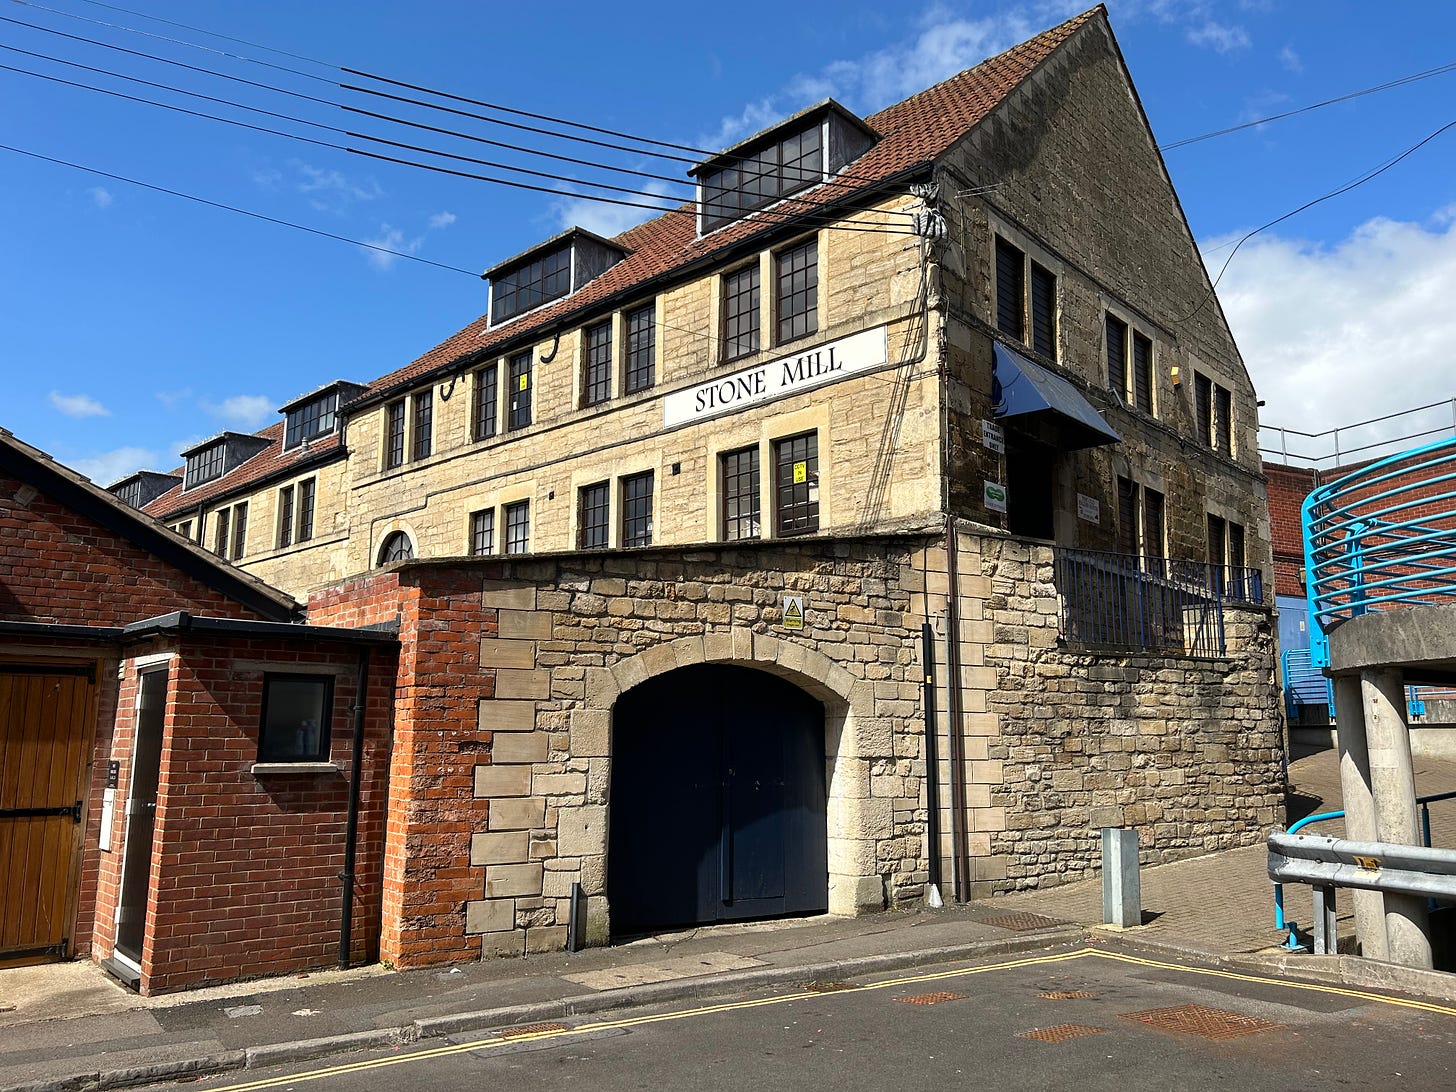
[[59, 631], [181, 622]]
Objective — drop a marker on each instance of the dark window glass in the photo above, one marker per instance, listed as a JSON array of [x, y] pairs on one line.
[[641, 349], [220, 533], [796, 484], [761, 177], [1217, 541], [297, 710], [394, 435], [285, 516], [307, 491], [1117, 356], [518, 527], [796, 272], [482, 532], [740, 488], [1010, 290], [1203, 408], [596, 386], [204, 466], [530, 285], [185, 529], [1142, 372], [519, 383], [1153, 530], [240, 530], [424, 413], [740, 312], [131, 494], [396, 547], [1236, 555], [1043, 311], [487, 387], [1127, 516], [594, 516], [637, 509], [1240, 587], [1223, 427], [311, 420]]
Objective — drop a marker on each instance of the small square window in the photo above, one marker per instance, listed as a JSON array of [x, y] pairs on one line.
[[296, 713], [518, 527]]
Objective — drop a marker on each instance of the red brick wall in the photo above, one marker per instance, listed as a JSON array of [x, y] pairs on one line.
[[1288, 486], [58, 566]]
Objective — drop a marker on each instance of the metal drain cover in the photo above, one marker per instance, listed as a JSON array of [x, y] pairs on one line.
[[1203, 1021], [1065, 995], [1019, 920], [530, 1029], [829, 987], [1059, 1034], [931, 998]]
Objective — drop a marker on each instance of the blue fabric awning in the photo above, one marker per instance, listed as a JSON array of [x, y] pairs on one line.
[[1021, 387]]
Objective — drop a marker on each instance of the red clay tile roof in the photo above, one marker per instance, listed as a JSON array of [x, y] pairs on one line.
[[914, 132]]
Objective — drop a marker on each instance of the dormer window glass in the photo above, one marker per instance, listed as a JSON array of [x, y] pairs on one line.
[[539, 281], [311, 420], [761, 176], [204, 465]]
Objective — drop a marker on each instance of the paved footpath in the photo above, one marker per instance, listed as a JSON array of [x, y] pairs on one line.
[[70, 1027]]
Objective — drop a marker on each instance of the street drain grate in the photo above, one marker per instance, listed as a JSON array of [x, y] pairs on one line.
[[1019, 920], [1202, 1021], [829, 987], [530, 1029], [1059, 1034], [931, 998], [1065, 995]]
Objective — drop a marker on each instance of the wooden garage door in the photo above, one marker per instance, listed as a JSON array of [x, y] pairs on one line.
[[43, 731]]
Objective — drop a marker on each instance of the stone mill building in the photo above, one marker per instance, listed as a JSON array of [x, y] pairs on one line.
[[890, 516]]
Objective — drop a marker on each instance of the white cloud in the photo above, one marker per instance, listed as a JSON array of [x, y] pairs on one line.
[[442, 220], [1221, 37], [110, 466], [329, 190], [101, 197], [1337, 334], [173, 399], [1291, 60], [390, 239], [607, 219], [244, 411], [78, 405]]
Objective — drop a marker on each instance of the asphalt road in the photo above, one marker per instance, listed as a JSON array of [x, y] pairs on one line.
[[1069, 1021]]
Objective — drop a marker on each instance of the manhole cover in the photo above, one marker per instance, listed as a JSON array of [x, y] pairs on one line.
[[1019, 920], [531, 1029], [829, 987], [1203, 1021], [1059, 1034], [1065, 995], [931, 998]]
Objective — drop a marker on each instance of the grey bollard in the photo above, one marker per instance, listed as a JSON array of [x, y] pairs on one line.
[[1121, 892]]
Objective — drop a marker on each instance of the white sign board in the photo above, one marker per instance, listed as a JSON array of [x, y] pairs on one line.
[[793, 612], [777, 378], [1089, 508], [994, 494], [993, 436]]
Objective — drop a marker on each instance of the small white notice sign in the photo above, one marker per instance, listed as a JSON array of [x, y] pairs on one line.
[[993, 436], [793, 612], [1089, 508], [994, 494]]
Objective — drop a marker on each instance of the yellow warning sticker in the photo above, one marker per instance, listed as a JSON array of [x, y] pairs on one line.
[[1369, 864], [793, 612], [801, 473], [524, 382]]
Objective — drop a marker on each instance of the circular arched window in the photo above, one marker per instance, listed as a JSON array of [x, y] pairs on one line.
[[396, 547]]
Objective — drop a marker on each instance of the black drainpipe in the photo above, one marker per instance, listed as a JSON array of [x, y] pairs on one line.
[[960, 855], [351, 828], [932, 759]]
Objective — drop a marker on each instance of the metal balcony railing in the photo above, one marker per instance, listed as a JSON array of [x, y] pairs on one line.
[[1304, 684], [1132, 603], [1380, 538]]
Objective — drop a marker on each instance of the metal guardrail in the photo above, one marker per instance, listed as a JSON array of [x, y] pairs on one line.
[[1381, 537], [1135, 603], [1361, 440], [1304, 684]]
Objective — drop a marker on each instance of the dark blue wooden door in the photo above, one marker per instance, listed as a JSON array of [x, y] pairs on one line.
[[717, 800]]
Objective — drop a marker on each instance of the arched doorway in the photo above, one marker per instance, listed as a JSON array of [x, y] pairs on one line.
[[717, 809]]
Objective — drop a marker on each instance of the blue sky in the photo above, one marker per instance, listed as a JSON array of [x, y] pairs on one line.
[[133, 323]]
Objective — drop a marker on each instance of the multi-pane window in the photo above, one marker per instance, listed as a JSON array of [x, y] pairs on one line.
[[424, 404], [1227, 558], [311, 420], [1117, 355], [185, 529], [396, 547], [394, 435], [131, 494], [637, 509], [740, 491], [1141, 523], [740, 312], [307, 493], [796, 276], [596, 384], [518, 527], [1043, 311], [1130, 364], [761, 177], [285, 517], [796, 484], [203, 466], [240, 530], [220, 532], [519, 290], [1142, 372], [641, 325], [1213, 407], [1154, 530], [1010, 290], [594, 516], [487, 397], [518, 382], [482, 532]]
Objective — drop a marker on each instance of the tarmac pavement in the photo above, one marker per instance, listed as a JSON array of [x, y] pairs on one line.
[[69, 1026]]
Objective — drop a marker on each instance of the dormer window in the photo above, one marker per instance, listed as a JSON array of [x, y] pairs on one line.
[[204, 465], [220, 455], [548, 272], [792, 156], [316, 414]]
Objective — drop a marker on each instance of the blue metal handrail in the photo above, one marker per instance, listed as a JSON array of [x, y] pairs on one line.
[[1304, 684], [1383, 536]]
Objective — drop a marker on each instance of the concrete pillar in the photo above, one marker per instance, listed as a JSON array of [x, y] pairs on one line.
[[1359, 805], [1407, 928]]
